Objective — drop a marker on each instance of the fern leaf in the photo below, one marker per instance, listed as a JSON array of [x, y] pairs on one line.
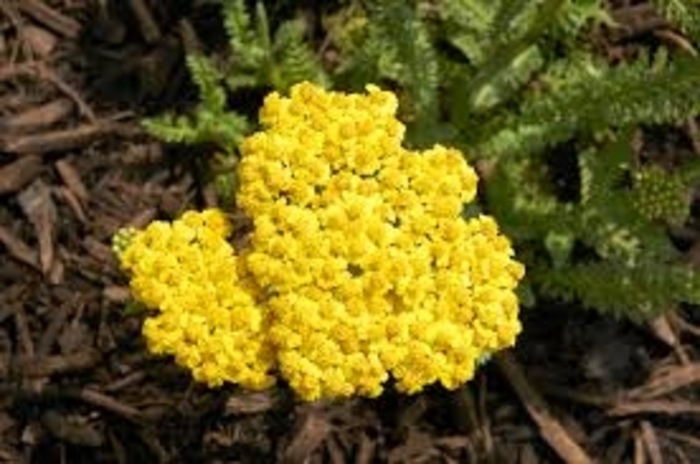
[[619, 97], [639, 293]]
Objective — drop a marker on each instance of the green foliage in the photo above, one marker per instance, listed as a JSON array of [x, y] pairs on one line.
[[638, 293], [257, 59], [515, 84], [599, 97], [211, 121], [262, 59], [661, 195], [520, 87], [685, 14], [394, 45]]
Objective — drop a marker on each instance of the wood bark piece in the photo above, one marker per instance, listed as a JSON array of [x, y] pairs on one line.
[[59, 140], [639, 453], [244, 403], [16, 175], [66, 428], [689, 440], [664, 331], [42, 42], [651, 443], [18, 249], [111, 404], [38, 206], [669, 381], [148, 26], [37, 117], [673, 38], [71, 178], [312, 432], [73, 202], [636, 20], [41, 71], [49, 17], [659, 407], [694, 134], [45, 366], [551, 430]]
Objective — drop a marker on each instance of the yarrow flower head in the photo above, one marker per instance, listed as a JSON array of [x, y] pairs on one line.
[[207, 317], [371, 270], [361, 266]]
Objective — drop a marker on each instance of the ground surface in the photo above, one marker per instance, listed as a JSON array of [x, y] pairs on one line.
[[76, 384]]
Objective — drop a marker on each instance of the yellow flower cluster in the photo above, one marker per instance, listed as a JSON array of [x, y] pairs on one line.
[[207, 317], [368, 268], [360, 268]]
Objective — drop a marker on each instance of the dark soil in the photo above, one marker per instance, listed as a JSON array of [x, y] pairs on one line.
[[76, 383]]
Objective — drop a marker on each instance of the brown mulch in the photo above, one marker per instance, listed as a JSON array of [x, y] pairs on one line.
[[76, 383]]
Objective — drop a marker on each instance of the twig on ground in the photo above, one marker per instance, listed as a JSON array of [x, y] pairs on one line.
[[689, 440], [37, 204], [148, 26], [41, 71], [49, 17], [60, 140], [37, 117], [676, 39], [663, 330], [110, 404], [23, 335], [69, 175], [639, 453], [651, 442], [71, 199], [668, 381], [686, 326], [664, 407], [45, 366], [59, 316], [551, 430], [694, 134], [126, 381], [18, 249]]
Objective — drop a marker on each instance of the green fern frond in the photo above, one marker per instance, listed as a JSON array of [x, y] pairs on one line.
[[248, 46], [396, 45], [294, 60], [517, 196], [208, 79], [409, 56], [608, 219], [639, 293], [211, 121], [505, 54], [260, 58], [619, 97], [469, 26]]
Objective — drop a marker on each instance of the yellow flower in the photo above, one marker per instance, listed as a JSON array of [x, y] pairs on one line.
[[186, 271], [360, 266]]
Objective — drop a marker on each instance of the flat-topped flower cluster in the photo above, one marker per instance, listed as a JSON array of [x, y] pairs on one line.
[[360, 268]]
